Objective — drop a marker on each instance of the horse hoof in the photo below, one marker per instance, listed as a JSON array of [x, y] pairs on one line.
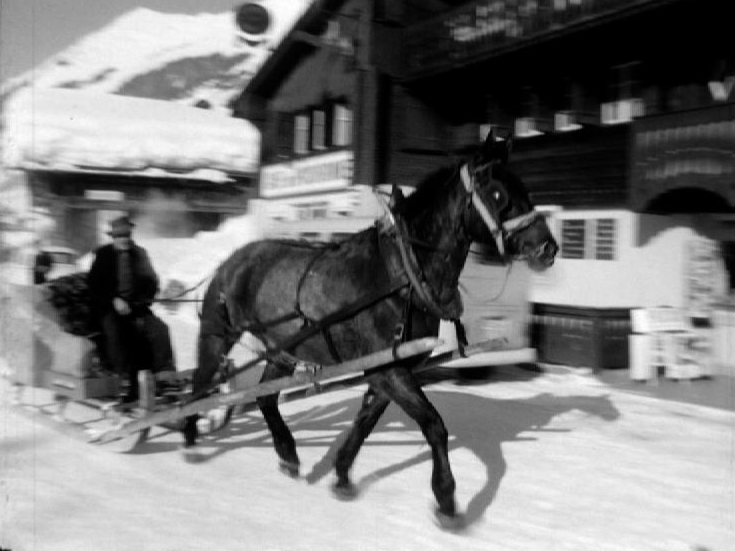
[[192, 454], [218, 418], [344, 491], [289, 468], [450, 523]]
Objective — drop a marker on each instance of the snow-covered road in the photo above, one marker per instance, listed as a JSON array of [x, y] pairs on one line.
[[552, 462]]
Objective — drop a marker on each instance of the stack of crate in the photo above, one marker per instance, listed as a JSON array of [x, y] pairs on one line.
[[664, 339]]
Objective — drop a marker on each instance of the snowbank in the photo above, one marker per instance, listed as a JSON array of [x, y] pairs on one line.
[[190, 260]]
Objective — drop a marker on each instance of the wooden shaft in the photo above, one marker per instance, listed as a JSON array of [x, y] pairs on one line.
[[378, 359], [439, 360]]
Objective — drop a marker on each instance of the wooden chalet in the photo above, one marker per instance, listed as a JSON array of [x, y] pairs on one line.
[[623, 118]]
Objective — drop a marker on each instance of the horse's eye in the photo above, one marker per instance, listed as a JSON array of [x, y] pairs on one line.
[[496, 195]]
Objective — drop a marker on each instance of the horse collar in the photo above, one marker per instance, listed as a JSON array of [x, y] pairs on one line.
[[450, 310]]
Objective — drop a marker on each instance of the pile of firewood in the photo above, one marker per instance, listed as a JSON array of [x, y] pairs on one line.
[[69, 295]]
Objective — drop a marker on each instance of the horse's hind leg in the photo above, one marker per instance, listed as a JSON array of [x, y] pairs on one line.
[[402, 388], [212, 349], [373, 406], [283, 440]]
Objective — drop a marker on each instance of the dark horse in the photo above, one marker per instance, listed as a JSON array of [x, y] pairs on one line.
[[377, 287]]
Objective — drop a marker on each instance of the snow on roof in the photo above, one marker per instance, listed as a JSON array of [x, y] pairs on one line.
[[69, 130]]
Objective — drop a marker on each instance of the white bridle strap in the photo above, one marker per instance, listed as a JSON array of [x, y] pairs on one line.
[[509, 226], [520, 222], [469, 185]]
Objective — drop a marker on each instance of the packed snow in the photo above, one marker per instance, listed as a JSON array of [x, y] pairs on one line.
[[554, 462]]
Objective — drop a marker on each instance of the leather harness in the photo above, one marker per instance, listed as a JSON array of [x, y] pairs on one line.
[[405, 273]]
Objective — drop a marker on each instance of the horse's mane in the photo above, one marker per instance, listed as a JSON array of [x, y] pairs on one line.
[[426, 191]]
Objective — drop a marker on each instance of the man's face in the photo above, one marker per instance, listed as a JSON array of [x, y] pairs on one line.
[[121, 242]]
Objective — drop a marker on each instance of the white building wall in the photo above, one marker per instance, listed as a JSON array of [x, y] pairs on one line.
[[650, 267]]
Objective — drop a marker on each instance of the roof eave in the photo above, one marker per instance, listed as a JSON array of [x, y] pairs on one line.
[[291, 50]]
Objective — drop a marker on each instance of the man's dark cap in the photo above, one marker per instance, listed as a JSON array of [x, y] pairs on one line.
[[121, 227]]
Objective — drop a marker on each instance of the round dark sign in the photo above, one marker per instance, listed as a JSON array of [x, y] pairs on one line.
[[252, 18]]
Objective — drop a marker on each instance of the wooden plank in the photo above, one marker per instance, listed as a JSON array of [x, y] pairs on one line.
[[371, 361]]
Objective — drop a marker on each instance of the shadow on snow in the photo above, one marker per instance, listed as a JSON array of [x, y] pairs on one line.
[[478, 424]]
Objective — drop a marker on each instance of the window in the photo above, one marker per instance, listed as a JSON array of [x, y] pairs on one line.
[[311, 211], [616, 112], [342, 126], [318, 130], [605, 239], [572, 238], [301, 134], [589, 239]]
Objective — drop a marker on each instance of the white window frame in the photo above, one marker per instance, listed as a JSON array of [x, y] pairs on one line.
[[342, 125], [301, 134]]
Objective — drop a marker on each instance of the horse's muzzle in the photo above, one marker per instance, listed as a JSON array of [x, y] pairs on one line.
[[543, 256]]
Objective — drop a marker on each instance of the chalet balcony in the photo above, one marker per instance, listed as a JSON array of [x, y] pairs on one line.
[[683, 151], [486, 28]]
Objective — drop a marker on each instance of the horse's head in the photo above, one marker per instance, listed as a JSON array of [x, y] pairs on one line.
[[500, 212]]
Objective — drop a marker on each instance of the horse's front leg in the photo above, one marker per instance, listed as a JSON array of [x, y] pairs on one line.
[[373, 406], [283, 440], [405, 391]]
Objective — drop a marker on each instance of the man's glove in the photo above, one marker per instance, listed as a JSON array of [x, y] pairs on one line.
[[121, 306]]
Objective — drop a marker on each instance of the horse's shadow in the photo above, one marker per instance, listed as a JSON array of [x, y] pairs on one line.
[[476, 423]]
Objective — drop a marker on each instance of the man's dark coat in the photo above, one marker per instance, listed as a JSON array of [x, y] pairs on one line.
[[102, 280]]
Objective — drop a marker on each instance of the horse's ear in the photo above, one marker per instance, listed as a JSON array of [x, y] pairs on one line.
[[490, 138], [396, 198], [487, 150]]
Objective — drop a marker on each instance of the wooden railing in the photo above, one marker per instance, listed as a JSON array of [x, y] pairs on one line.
[[484, 28]]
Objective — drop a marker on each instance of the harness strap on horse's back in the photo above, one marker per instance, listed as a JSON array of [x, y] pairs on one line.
[[310, 330]]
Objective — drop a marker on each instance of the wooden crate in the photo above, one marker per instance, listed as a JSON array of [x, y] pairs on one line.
[[80, 388]]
